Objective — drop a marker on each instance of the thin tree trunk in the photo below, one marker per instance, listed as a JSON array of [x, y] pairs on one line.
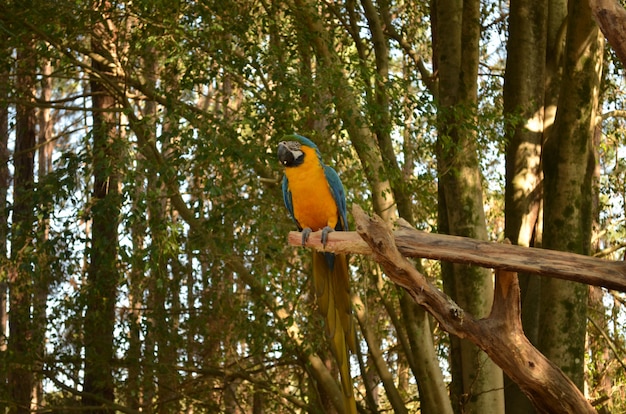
[[477, 382], [134, 390], [377, 359], [433, 392], [4, 217], [102, 272], [523, 98], [160, 295], [20, 349], [163, 325], [43, 277]]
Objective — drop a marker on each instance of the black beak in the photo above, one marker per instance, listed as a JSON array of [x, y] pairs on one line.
[[284, 155]]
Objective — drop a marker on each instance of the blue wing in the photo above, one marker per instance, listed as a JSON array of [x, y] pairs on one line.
[[288, 200], [338, 194]]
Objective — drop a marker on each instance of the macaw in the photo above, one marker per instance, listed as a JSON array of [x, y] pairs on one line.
[[315, 199]]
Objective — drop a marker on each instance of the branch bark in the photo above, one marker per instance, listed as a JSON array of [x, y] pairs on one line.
[[611, 18], [414, 243], [500, 335]]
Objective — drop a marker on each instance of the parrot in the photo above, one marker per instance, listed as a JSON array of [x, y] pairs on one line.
[[316, 200]]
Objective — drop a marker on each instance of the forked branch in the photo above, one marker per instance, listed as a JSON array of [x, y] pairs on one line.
[[500, 335]]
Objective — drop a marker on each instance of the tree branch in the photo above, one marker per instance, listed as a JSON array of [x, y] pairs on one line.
[[611, 18], [415, 243], [500, 335]]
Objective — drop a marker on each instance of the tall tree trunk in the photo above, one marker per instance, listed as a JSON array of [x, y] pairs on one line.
[[20, 349], [568, 197], [523, 99], [162, 324], [4, 219], [102, 272], [43, 277], [163, 329], [433, 393], [136, 285], [477, 381], [432, 390]]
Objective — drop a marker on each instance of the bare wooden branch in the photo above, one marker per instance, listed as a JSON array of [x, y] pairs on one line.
[[611, 18], [414, 243], [500, 335]]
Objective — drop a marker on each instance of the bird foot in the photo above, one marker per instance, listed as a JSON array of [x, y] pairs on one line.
[[306, 232], [325, 232]]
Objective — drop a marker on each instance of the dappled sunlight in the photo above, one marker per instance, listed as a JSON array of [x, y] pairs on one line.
[[535, 123]]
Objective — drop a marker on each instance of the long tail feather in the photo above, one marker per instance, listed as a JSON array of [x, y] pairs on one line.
[[332, 287]]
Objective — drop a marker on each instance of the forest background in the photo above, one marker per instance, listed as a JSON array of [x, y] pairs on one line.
[[144, 263]]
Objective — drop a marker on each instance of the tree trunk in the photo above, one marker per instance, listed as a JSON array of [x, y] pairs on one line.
[[102, 273], [378, 360], [4, 218], [568, 169], [434, 398], [477, 382], [162, 324], [433, 393], [20, 347], [43, 277], [134, 392], [523, 99]]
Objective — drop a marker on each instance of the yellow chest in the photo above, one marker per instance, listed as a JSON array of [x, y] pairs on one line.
[[313, 202]]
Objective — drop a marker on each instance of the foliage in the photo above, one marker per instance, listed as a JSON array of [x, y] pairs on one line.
[[214, 312]]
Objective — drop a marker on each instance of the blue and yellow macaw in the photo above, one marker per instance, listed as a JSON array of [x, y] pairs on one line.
[[315, 198]]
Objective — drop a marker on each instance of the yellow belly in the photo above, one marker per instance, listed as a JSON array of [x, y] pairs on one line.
[[313, 202]]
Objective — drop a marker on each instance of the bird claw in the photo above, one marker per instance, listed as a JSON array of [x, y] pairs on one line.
[[306, 232], [325, 232]]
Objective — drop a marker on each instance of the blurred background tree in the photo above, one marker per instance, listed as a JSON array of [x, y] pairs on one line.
[[144, 262]]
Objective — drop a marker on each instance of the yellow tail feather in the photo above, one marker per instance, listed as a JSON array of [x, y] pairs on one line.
[[332, 288]]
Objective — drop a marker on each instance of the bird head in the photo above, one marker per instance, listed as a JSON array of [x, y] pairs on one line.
[[292, 151]]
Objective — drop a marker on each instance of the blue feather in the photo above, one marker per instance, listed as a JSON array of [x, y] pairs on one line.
[[288, 201]]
